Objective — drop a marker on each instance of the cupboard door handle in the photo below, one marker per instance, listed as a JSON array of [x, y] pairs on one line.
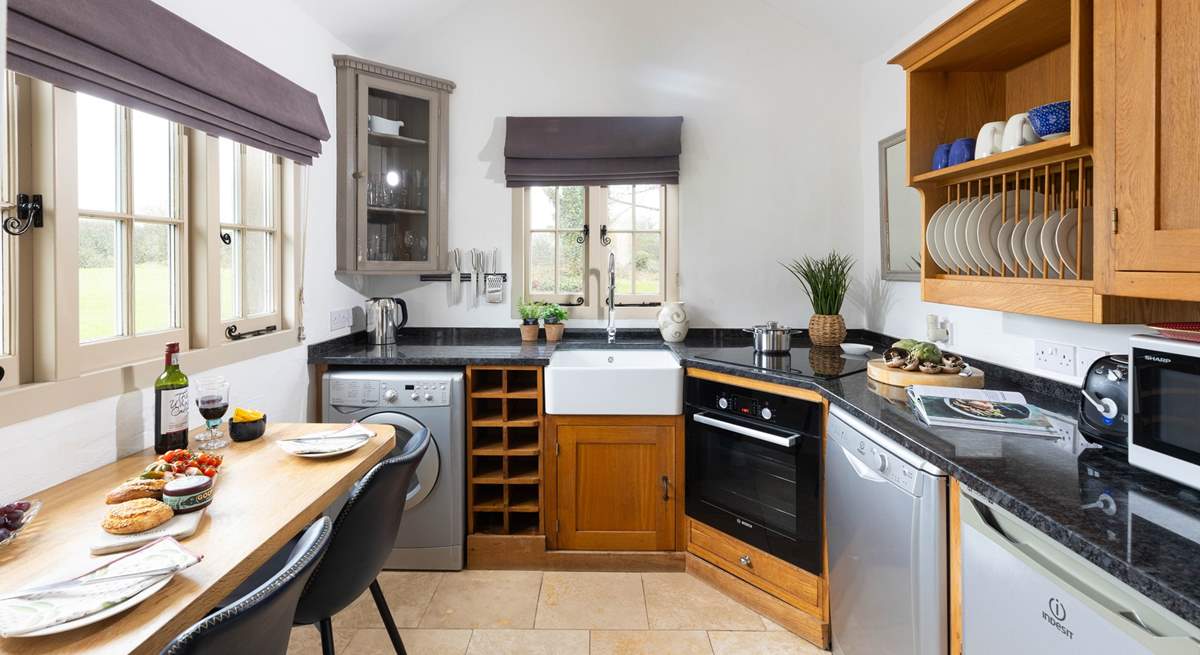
[[745, 561], [666, 485]]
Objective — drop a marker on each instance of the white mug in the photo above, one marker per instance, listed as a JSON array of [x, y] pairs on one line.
[[1018, 132], [989, 140]]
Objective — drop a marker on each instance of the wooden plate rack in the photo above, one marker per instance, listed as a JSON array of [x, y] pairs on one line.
[[504, 445]]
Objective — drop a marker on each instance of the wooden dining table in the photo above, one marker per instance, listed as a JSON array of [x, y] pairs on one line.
[[263, 498]]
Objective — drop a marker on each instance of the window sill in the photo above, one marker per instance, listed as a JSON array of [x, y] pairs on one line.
[[36, 399]]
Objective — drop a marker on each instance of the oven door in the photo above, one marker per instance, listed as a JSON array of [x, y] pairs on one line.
[[1164, 412], [757, 483]]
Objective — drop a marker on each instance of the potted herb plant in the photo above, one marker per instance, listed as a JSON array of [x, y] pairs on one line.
[[825, 282], [553, 316], [530, 313]]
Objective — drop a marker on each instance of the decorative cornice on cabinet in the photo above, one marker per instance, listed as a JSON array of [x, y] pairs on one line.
[[392, 72]]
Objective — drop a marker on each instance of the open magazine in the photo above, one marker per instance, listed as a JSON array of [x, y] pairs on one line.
[[980, 409]]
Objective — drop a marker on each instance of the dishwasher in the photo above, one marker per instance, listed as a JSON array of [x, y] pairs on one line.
[[886, 519], [1022, 592]]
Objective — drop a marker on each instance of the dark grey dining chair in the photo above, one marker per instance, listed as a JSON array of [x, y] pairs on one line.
[[259, 622], [364, 533]]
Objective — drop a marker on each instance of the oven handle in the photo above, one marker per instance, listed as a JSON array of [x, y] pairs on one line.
[[787, 442]]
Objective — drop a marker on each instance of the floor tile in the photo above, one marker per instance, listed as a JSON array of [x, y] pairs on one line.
[[611, 601], [306, 640], [416, 642], [407, 592], [650, 642], [484, 599], [771, 625], [678, 601], [528, 642], [761, 643]]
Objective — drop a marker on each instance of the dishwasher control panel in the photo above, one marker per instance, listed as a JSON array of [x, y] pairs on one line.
[[874, 457]]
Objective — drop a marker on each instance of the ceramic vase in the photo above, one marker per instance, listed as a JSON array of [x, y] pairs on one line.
[[673, 322]]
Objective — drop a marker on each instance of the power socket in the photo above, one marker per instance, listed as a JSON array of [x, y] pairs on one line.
[[1054, 357], [340, 319], [1084, 357]]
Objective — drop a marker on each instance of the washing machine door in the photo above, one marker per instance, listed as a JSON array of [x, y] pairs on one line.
[[426, 475]]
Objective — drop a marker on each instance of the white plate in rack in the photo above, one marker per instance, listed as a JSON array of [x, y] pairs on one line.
[[933, 232], [1017, 245], [957, 261], [1049, 248], [974, 247], [960, 234], [1033, 245]]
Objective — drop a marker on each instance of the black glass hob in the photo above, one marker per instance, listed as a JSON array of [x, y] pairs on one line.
[[814, 362]]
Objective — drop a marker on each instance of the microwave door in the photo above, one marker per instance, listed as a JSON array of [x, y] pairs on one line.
[[1165, 407]]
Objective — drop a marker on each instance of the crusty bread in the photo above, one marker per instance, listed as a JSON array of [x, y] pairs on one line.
[[136, 515], [135, 489]]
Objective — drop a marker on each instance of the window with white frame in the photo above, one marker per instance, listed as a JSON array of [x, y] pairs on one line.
[[250, 218], [9, 363], [563, 237], [131, 190]]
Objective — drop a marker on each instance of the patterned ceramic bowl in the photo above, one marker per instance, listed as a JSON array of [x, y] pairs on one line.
[[1051, 120]]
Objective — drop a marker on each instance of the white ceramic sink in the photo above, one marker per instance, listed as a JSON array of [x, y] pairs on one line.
[[630, 382]]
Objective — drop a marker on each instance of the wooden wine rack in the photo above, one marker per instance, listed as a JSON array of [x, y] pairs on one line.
[[504, 445]]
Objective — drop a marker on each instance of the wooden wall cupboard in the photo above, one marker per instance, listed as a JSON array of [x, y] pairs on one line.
[[616, 482], [392, 132]]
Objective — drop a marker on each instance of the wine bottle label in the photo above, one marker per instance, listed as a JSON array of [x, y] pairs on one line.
[[174, 408]]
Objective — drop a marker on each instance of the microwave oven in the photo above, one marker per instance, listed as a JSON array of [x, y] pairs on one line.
[[1164, 407]]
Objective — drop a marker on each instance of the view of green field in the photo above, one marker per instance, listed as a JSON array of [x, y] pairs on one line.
[[98, 300]]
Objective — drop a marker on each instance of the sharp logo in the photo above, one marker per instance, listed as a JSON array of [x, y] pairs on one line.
[[1157, 358], [1056, 617]]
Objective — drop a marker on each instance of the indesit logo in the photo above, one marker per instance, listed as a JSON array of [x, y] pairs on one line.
[[1056, 617]]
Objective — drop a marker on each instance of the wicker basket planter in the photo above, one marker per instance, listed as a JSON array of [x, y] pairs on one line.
[[827, 329]]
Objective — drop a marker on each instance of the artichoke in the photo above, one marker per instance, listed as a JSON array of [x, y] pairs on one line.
[[927, 352], [906, 344]]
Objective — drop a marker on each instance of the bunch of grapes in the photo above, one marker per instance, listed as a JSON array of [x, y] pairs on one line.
[[12, 517]]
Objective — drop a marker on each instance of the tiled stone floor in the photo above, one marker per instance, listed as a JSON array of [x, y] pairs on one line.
[[554, 613]]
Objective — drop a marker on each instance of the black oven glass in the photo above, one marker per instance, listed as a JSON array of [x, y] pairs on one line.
[[764, 494], [1166, 413]]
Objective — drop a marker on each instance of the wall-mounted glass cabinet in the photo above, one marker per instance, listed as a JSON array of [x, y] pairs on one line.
[[391, 150]]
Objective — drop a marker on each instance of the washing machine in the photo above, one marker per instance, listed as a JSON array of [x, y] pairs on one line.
[[432, 530]]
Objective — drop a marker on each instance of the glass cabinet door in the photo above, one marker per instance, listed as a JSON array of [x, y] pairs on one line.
[[397, 145]]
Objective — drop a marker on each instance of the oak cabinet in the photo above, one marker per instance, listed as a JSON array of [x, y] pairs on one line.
[[392, 132], [617, 481]]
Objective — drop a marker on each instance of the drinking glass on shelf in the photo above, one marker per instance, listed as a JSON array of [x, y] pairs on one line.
[[212, 398]]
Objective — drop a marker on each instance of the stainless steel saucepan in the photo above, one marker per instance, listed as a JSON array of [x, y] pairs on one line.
[[771, 337]]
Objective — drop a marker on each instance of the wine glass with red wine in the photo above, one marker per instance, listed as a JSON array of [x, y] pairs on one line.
[[212, 398]]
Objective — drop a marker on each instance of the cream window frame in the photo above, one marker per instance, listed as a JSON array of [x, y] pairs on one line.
[[14, 297], [629, 306], [247, 323]]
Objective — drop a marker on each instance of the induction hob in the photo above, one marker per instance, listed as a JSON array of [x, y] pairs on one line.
[[827, 363]]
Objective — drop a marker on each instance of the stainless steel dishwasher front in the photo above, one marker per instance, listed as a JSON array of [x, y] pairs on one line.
[[885, 512]]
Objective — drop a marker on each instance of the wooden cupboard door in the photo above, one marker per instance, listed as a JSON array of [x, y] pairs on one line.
[[615, 487], [1157, 88]]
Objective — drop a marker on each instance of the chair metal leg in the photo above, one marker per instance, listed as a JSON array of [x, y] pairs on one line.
[[386, 615], [326, 627]]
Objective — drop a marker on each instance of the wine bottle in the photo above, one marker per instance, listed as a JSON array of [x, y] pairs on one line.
[[171, 405]]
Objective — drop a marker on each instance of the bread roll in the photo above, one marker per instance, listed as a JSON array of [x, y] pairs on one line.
[[135, 516], [135, 489]]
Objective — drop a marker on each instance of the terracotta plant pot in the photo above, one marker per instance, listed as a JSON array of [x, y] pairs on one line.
[[554, 331], [826, 329], [529, 331]]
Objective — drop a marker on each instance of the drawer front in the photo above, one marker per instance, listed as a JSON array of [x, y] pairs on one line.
[[761, 569]]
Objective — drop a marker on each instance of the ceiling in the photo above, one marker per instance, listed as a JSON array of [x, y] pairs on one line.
[[864, 28]]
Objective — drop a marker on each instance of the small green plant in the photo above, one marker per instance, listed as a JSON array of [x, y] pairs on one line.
[[530, 311], [553, 313], [825, 281]]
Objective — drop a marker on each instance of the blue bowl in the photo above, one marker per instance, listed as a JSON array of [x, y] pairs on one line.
[[962, 150], [941, 156], [1052, 119]]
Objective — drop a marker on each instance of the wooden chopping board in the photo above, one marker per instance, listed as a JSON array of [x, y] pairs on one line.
[[878, 371]]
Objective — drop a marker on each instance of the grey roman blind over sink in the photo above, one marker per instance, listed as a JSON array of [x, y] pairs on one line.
[[138, 54], [592, 150]]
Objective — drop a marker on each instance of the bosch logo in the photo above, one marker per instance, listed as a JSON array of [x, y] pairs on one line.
[[1057, 617], [1157, 358], [1057, 610]]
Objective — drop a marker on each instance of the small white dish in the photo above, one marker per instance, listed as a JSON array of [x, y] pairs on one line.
[[856, 348], [381, 125]]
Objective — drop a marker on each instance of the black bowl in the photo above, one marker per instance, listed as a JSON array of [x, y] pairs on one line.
[[247, 430]]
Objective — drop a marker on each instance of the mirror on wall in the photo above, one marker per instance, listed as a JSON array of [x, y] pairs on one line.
[[899, 214]]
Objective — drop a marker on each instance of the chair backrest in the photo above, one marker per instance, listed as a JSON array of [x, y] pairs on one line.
[[261, 621], [363, 534]]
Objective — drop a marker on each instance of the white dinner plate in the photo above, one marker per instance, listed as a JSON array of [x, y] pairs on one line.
[[1004, 246], [971, 235], [957, 260], [324, 445], [102, 614], [960, 235], [1033, 245], [932, 234], [1047, 240], [996, 227], [1018, 246], [986, 230], [1065, 241]]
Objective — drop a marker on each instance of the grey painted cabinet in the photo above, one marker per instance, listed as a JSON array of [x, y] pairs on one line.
[[391, 158]]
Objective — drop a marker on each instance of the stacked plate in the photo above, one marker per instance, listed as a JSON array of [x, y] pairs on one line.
[[979, 235]]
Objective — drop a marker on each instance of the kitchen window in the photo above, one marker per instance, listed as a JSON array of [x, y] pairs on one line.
[[9, 350], [249, 222], [563, 237]]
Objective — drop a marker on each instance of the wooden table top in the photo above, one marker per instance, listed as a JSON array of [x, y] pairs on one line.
[[264, 497]]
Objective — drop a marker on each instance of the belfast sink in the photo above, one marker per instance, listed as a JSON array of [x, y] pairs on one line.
[[627, 382]]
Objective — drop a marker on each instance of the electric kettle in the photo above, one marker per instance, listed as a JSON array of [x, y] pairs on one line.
[[382, 324]]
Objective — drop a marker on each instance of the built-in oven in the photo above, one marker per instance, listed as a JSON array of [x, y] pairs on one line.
[[1164, 407], [754, 468]]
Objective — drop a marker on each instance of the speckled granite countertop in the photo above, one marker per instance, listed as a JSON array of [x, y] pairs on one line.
[[1148, 536]]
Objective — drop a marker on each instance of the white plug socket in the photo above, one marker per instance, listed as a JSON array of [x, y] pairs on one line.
[[340, 319], [1054, 357]]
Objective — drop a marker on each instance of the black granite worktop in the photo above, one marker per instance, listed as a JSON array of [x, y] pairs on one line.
[[1133, 524]]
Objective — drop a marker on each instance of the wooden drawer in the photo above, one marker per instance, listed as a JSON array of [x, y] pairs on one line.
[[781, 579]]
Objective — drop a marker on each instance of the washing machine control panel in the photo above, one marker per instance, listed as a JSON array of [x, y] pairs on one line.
[[390, 393]]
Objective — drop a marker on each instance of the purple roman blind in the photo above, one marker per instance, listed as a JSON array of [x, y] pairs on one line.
[[138, 54], [583, 150]]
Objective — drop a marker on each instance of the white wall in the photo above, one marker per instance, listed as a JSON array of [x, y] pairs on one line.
[[897, 308], [768, 165], [50, 449]]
